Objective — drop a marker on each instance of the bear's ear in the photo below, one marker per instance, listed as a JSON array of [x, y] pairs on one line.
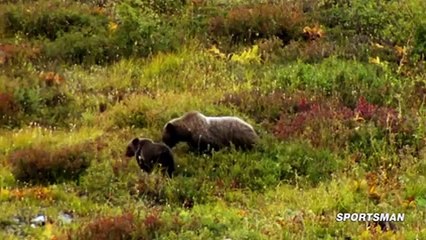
[[135, 141], [170, 127]]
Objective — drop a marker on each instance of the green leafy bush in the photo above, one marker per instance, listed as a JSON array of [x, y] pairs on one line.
[[420, 40], [105, 181], [317, 165], [271, 163], [181, 191], [150, 187], [141, 31], [345, 79], [290, 161], [50, 24], [166, 6], [187, 191], [361, 16], [47, 106], [384, 21], [81, 48], [137, 31]]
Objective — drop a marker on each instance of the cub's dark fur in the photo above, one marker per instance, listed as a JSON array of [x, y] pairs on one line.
[[148, 154], [204, 134]]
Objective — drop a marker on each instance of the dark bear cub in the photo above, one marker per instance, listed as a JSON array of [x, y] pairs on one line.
[[204, 134], [149, 154]]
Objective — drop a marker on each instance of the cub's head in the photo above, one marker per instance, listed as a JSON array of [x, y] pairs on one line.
[[174, 133], [134, 145]]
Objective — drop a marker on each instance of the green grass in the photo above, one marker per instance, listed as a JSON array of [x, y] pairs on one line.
[[338, 133]]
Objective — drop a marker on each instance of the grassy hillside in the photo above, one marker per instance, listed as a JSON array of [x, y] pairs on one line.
[[336, 90]]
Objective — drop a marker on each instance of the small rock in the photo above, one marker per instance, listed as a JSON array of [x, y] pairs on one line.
[[65, 218], [40, 220]]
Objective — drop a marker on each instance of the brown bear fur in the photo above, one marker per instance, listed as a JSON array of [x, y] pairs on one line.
[[204, 134], [148, 154]]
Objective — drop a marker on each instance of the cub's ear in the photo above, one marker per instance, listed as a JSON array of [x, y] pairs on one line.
[[135, 142], [170, 127]]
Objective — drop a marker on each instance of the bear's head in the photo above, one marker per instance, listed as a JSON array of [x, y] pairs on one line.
[[135, 144], [174, 133], [132, 147]]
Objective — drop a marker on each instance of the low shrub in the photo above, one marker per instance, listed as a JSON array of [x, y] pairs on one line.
[[273, 163], [71, 32], [315, 165], [357, 16], [150, 187], [420, 40], [344, 79], [51, 20], [330, 124], [187, 191], [125, 226], [152, 112], [119, 227], [134, 112], [40, 165], [47, 106], [386, 22], [181, 191], [28, 100], [8, 110], [417, 94], [166, 6], [251, 22], [262, 107], [81, 48], [104, 182], [141, 31], [136, 31], [323, 124], [309, 52], [11, 54], [270, 49]]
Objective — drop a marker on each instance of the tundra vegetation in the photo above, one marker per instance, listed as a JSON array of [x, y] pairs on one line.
[[336, 90]]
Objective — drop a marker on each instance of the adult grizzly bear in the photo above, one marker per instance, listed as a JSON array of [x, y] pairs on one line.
[[149, 154], [204, 134]]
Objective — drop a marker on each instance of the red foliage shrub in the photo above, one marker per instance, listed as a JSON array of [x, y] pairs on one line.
[[10, 52], [38, 165], [326, 122], [6, 102], [321, 122], [384, 117], [365, 109], [152, 221], [8, 107], [119, 227], [311, 51]]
